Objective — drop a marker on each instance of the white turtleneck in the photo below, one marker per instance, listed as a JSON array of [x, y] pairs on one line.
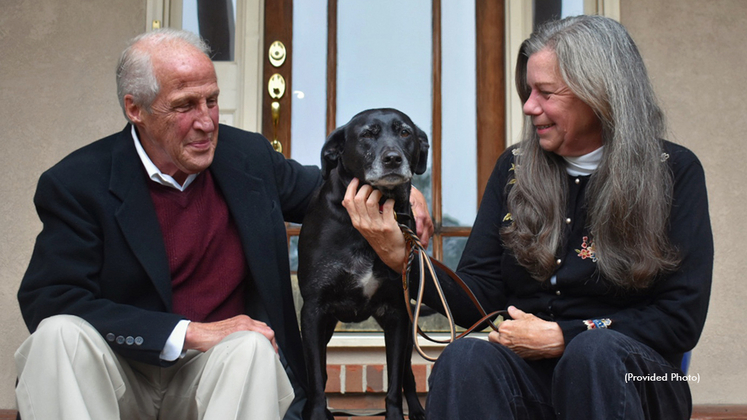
[[584, 165]]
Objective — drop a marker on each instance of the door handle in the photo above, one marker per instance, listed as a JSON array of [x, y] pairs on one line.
[[276, 89], [275, 120]]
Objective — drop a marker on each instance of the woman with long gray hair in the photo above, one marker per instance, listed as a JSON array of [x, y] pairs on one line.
[[593, 231]]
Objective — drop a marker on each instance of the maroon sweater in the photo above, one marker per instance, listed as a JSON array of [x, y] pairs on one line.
[[206, 258]]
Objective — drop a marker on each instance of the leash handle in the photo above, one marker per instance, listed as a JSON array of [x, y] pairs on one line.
[[412, 244]]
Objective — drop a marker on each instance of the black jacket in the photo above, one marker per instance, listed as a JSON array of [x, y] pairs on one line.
[[101, 256], [667, 317]]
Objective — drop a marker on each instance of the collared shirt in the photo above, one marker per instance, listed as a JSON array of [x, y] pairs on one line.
[[174, 347], [154, 173]]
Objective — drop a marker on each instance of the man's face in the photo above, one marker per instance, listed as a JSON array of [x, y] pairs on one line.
[[180, 132]]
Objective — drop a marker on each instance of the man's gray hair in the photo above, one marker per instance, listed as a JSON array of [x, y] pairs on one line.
[[135, 74]]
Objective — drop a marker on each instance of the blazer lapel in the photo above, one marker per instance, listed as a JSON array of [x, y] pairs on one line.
[[137, 215], [251, 209]]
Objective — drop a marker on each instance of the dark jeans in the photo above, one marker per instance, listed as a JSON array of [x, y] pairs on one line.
[[601, 375]]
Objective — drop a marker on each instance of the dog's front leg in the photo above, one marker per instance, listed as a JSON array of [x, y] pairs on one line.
[[414, 407], [395, 337], [316, 329]]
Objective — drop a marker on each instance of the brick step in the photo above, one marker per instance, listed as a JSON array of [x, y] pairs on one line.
[[719, 412], [349, 378], [700, 412]]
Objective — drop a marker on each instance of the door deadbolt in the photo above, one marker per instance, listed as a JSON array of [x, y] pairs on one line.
[[277, 54]]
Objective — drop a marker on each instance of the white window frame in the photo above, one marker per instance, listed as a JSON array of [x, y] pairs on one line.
[[241, 101], [518, 28]]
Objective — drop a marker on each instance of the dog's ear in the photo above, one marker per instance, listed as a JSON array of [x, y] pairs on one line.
[[422, 163], [332, 151]]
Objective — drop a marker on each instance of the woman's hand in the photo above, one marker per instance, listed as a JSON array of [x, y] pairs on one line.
[[376, 223], [528, 336]]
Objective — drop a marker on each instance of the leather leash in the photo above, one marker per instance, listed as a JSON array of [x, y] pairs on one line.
[[413, 244]]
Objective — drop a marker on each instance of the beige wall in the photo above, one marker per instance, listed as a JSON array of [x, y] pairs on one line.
[[696, 56], [57, 93]]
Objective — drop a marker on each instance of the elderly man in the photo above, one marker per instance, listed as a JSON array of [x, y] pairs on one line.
[[159, 285]]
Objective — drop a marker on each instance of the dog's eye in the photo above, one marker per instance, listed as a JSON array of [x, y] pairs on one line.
[[405, 133], [367, 134]]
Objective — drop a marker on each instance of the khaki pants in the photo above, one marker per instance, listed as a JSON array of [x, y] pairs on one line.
[[66, 370]]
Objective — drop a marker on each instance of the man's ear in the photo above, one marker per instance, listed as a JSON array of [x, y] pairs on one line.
[[332, 151], [422, 164], [132, 110]]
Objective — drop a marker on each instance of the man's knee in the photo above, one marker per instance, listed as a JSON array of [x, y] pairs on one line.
[[245, 346], [58, 332], [61, 335], [245, 361], [62, 325]]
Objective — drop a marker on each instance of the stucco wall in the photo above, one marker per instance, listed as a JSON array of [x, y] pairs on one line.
[[57, 93], [696, 56], [57, 61]]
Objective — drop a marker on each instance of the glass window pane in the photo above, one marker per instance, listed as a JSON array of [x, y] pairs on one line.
[[384, 61], [453, 248], [309, 80], [572, 8], [459, 119], [432, 321], [384, 58], [545, 10], [293, 252], [215, 21]]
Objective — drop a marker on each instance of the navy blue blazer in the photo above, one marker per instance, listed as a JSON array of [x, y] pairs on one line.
[[100, 254]]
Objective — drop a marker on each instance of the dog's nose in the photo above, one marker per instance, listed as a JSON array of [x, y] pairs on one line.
[[392, 159]]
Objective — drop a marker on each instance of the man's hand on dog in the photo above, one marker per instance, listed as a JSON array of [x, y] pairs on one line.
[[378, 225], [203, 336], [423, 222]]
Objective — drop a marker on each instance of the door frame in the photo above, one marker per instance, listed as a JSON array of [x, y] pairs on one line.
[[242, 98], [250, 41]]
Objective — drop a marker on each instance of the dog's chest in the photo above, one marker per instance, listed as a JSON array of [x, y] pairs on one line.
[[359, 293], [366, 282]]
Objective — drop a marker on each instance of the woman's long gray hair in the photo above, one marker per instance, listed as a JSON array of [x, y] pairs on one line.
[[135, 75], [629, 195]]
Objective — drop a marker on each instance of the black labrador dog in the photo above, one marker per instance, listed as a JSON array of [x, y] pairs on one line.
[[340, 276]]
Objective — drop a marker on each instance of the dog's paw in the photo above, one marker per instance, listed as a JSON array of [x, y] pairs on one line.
[[416, 411], [419, 415], [321, 414]]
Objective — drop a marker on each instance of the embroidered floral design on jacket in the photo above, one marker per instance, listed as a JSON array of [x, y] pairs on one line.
[[587, 250]]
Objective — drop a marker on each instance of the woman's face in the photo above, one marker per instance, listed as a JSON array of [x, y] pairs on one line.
[[565, 125]]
